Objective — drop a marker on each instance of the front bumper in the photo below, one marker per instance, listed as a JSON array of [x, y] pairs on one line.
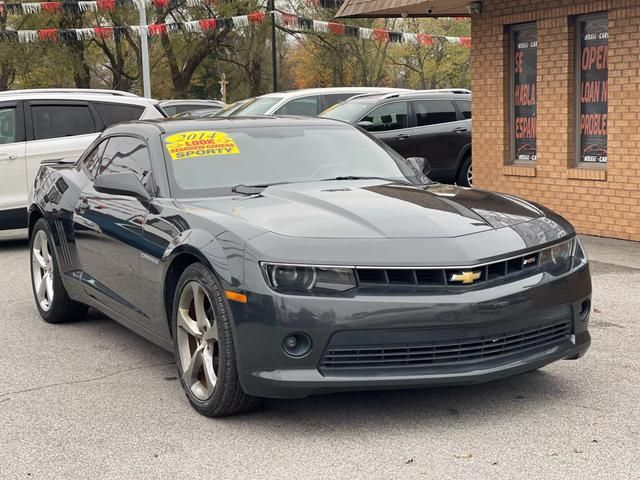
[[367, 321]]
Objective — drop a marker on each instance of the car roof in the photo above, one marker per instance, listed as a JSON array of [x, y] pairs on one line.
[[287, 94], [458, 93], [189, 101], [175, 125], [113, 96]]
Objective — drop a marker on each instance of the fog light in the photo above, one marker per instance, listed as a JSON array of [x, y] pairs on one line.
[[585, 310], [296, 344]]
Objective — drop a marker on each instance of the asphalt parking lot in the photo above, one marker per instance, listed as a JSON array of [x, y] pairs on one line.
[[92, 400]]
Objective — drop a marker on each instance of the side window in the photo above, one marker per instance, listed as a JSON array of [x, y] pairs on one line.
[[392, 116], [127, 154], [56, 121], [91, 162], [112, 113], [307, 106], [334, 98], [170, 110], [465, 108], [7, 125], [434, 112]]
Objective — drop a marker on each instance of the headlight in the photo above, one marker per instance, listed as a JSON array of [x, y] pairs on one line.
[[557, 255], [309, 280]]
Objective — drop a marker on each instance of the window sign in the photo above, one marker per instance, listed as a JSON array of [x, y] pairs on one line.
[[593, 75], [524, 46]]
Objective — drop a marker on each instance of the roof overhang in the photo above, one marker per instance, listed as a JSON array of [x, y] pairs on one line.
[[401, 8]]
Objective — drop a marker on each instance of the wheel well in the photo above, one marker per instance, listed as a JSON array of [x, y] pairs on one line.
[[179, 265], [34, 216]]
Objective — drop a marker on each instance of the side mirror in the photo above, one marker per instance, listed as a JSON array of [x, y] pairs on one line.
[[365, 125], [125, 183], [420, 164]]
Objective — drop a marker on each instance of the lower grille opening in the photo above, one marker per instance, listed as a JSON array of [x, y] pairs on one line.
[[446, 352]]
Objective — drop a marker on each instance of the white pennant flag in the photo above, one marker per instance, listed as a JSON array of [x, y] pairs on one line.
[[366, 33], [194, 3], [453, 40], [30, 7], [410, 38], [240, 21], [319, 26], [25, 36], [88, 6], [193, 26], [85, 33], [140, 30]]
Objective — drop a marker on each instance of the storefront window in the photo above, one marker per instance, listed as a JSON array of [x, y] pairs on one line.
[[524, 57], [592, 75]]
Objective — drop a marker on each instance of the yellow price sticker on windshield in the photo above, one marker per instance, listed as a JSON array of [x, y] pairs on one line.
[[200, 143]]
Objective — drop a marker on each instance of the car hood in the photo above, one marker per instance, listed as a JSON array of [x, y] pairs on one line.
[[373, 209]]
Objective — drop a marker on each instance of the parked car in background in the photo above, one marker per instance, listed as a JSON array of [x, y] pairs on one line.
[[284, 257], [433, 124], [308, 102], [204, 113], [173, 107], [46, 124]]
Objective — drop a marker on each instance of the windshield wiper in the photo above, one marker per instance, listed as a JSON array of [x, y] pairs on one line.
[[253, 189], [355, 177]]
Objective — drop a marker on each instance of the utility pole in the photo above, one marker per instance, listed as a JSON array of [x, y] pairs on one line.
[[223, 87], [271, 5], [144, 47]]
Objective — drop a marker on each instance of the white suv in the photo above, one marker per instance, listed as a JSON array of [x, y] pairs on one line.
[[48, 124], [307, 102]]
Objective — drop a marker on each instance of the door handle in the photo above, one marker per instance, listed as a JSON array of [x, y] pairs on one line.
[[402, 137], [8, 157], [460, 130]]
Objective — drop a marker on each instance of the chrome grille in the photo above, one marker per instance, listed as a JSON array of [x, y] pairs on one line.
[[450, 352]]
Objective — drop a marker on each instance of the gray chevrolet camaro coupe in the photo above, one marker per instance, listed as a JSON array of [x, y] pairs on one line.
[[283, 257]]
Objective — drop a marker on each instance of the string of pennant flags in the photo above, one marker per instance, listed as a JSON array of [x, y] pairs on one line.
[[294, 23], [30, 8]]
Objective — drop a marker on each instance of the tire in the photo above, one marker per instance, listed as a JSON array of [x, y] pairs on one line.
[[52, 301], [203, 346], [465, 174]]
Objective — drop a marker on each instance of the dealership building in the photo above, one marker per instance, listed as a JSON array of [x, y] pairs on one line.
[[556, 102]]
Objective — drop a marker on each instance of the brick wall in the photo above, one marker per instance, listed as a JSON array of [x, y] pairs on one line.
[[604, 202]]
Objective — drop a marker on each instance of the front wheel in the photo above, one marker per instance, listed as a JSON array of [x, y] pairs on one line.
[[465, 174], [54, 305], [203, 344]]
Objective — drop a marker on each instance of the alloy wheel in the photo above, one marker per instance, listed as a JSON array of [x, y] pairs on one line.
[[470, 175], [197, 337], [42, 270]]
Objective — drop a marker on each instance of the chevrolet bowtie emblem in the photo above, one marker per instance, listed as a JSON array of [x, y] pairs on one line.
[[466, 277]]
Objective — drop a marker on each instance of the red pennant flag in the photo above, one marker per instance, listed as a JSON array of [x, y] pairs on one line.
[[51, 6], [157, 29], [465, 42], [50, 34], [1, 8], [289, 20], [258, 17], [337, 28], [381, 35], [425, 39], [106, 5], [208, 24], [161, 3], [103, 32]]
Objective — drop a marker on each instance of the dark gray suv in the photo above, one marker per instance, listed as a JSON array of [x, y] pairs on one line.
[[434, 124]]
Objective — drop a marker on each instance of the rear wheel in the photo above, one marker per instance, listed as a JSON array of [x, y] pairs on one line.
[[203, 343], [54, 305], [465, 174]]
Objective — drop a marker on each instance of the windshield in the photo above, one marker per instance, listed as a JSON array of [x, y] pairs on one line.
[[257, 106], [349, 111], [208, 162]]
